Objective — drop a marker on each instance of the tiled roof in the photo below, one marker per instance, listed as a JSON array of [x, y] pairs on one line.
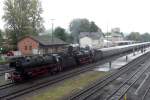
[[47, 40], [93, 35], [116, 35]]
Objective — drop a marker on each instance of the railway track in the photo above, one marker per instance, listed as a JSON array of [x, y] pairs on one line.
[[4, 67], [96, 87], [124, 87], [5, 71], [6, 85], [146, 93], [22, 91]]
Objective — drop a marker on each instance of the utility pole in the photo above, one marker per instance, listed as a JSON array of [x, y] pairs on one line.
[[107, 35], [52, 20]]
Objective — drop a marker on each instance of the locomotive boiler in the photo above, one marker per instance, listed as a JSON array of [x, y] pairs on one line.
[[33, 66]]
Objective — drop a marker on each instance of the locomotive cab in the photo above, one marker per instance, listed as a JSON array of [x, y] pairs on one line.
[[83, 56]]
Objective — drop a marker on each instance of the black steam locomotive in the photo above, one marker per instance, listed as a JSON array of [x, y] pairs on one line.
[[33, 66]]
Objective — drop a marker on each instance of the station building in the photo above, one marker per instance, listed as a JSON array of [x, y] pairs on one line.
[[29, 45], [91, 39]]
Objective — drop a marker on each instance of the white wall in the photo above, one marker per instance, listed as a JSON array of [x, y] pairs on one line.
[[85, 41]]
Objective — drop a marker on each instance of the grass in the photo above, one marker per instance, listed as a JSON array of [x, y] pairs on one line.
[[3, 61], [68, 86], [3, 81]]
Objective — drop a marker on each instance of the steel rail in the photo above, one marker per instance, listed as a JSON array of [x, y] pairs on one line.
[[131, 86], [86, 93], [145, 94], [58, 79], [6, 86], [123, 83], [6, 71], [136, 79]]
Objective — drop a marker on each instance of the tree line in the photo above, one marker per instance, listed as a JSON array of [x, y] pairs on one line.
[[136, 36], [76, 26], [23, 17]]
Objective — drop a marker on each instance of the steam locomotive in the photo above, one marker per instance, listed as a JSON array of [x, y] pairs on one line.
[[29, 67]]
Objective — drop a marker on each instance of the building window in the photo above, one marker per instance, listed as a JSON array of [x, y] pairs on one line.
[[25, 48], [30, 47]]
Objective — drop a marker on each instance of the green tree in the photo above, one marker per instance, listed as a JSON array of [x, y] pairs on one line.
[[60, 33], [121, 33], [134, 36], [94, 27], [35, 16], [145, 37], [22, 17], [82, 25], [77, 26], [1, 38], [69, 38]]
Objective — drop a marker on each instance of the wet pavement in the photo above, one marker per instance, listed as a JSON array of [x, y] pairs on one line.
[[118, 62]]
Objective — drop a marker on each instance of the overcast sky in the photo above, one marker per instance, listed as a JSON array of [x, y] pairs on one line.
[[129, 15]]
